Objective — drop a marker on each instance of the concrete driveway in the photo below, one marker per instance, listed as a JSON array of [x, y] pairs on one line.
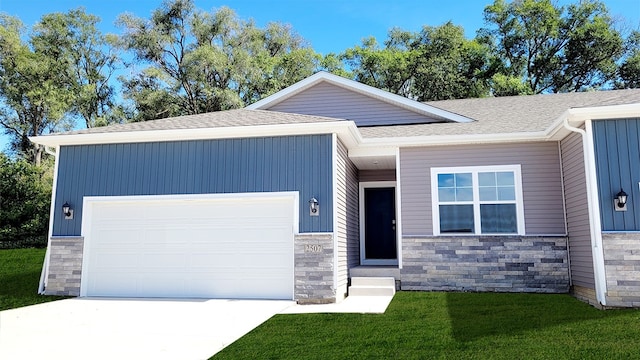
[[92, 328]]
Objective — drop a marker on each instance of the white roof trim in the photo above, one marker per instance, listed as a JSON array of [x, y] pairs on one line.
[[577, 116], [346, 130], [367, 90]]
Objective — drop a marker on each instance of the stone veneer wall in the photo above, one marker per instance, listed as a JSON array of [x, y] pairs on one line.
[[314, 268], [65, 266], [485, 263], [622, 269]]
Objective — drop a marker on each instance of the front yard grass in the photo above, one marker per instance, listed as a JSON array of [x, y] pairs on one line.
[[435, 325], [19, 278]]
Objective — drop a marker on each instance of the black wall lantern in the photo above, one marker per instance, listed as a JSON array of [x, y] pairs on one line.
[[620, 201], [67, 211], [314, 208]]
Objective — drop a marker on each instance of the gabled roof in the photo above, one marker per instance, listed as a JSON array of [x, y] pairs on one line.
[[385, 96]]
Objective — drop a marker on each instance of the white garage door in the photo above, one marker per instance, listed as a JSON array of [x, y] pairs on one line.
[[216, 247]]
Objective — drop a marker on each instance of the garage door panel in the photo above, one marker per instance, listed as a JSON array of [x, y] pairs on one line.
[[230, 248]]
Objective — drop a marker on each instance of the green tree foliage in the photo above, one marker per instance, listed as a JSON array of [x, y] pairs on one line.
[[552, 48], [89, 61], [436, 63], [629, 70], [25, 196], [33, 91], [208, 61]]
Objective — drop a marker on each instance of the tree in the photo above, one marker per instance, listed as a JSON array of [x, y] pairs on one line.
[[26, 190], [74, 38], [434, 64], [33, 91], [629, 70], [553, 48], [200, 62]]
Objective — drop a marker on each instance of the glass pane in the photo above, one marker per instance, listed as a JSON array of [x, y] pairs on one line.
[[506, 193], [505, 178], [445, 180], [487, 179], [456, 219], [463, 180], [488, 194], [498, 218], [447, 194], [464, 194]]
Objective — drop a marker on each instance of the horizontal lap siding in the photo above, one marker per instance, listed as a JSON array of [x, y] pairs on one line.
[[377, 175], [541, 181], [575, 190], [347, 208], [333, 101], [617, 150], [297, 163]]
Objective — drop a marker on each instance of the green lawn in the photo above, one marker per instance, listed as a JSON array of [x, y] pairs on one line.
[[428, 325], [19, 277]]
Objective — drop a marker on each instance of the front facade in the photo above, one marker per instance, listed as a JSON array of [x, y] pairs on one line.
[[290, 197]]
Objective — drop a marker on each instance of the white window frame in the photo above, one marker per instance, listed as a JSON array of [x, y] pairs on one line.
[[474, 170]]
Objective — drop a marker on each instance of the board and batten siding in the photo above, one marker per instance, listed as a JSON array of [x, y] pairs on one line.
[[617, 153], [295, 163], [541, 182], [330, 100], [347, 215], [578, 230]]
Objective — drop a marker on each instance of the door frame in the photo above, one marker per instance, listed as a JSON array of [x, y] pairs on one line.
[[363, 259]]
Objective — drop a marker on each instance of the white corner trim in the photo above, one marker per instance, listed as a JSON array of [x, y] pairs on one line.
[[334, 199], [360, 88], [44, 273], [398, 209], [593, 207]]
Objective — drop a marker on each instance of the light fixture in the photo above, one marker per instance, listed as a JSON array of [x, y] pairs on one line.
[[67, 211], [314, 208], [620, 201]]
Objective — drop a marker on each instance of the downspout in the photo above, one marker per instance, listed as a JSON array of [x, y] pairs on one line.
[[593, 208], [45, 266]]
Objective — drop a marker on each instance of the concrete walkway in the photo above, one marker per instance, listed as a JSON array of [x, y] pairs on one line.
[[352, 304]]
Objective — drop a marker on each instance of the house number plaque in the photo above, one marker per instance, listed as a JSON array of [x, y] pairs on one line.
[[312, 248]]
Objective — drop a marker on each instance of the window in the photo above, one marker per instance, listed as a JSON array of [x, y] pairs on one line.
[[477, 200]]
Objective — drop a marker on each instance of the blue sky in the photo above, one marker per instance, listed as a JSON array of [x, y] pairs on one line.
[[329, 25]]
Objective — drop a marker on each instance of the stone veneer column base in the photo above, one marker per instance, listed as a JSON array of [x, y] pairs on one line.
[[314, 270], [65, 266], [485, 263], [622, 269]]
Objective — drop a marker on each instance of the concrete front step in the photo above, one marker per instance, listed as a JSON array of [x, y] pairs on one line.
[[373, 281], [375, 271], [372, 286]]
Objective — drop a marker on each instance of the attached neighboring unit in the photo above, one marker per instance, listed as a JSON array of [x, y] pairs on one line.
[[331, 179]]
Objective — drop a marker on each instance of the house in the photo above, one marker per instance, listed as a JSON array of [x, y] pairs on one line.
[[328, 178]]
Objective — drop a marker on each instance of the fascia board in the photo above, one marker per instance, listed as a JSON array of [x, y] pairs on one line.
[[345, 128], [577, 116]]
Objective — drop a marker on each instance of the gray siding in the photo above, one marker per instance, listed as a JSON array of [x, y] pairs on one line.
[[617, 150], [575, 191], [347, 211], [377, 175], [541, 182], [297, 163], [330, 100]]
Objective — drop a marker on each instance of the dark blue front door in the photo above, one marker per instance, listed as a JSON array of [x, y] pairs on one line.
[[380, 223]]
